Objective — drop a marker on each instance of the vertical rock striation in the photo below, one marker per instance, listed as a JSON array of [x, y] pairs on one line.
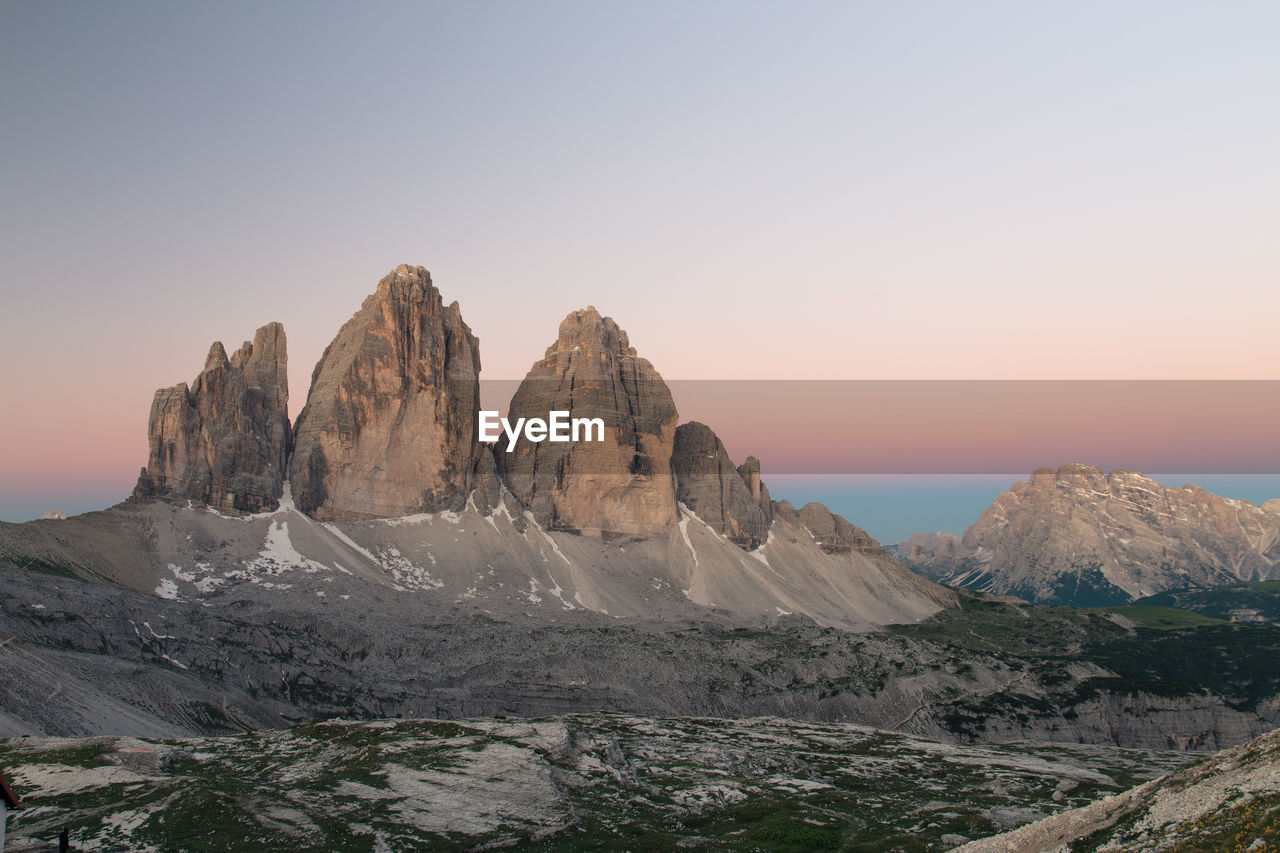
[[225, 439], [389, 428], [620, 486], [732, 500]]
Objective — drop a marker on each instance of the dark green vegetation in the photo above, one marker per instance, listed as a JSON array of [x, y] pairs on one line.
[[1149, 616], [1156, 652], [594, 781], [1243, 602], [1086, 586]]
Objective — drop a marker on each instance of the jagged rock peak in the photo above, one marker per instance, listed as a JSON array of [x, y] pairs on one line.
[[389, 428], [586, 330], [622, 485], [835, 534], [1079, 536], [732, 500], [224, 440]]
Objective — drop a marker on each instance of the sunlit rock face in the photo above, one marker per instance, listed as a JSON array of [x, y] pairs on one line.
[[1079, 536], [622, 485], [389, 428], [224, 440]]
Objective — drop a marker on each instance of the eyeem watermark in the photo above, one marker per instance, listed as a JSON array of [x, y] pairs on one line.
[[558, 427]]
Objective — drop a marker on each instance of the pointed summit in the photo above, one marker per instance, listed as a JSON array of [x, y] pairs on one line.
[[622, 485], [389, 428]]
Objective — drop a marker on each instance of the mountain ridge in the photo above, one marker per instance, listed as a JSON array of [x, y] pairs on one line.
[[387, 447], [1079, 536]]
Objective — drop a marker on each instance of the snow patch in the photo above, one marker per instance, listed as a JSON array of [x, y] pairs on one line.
[[533, 522], [407, 520], [684, 532]]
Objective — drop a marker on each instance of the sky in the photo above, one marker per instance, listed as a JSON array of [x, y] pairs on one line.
[[755, 191]]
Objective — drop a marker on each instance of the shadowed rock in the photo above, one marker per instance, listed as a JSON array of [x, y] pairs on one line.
[[224, 440], [621, 485], [834, 533], [389, 428], [725, 497]]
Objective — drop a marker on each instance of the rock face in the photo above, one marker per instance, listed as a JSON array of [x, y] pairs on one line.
[[389, 428], [1213, 803], [1078, 536], [732, 500], [225, 440], [833, 533], [926, 546], [620, 486]]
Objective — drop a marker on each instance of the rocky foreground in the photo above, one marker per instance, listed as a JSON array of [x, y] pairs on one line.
[[1230, 801], [593, 781]]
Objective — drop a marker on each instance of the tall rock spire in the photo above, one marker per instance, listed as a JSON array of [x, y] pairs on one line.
[[732, 500], [622, 485], [225, 439], [389, 428]]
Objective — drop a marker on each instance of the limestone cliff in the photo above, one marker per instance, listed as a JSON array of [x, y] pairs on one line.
[[1078, 536], [225, 439], [621, 485], [732, 500], [389, 428]]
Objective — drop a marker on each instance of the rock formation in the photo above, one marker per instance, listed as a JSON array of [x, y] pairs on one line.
[[487, 486], [1218, 797], [389, 428], [732, 500], [926, 546], [833, 533], [1077, 536], [622, 485], [225, 440]]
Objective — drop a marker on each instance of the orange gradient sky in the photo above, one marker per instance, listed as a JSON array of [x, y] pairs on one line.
[[755, 191]]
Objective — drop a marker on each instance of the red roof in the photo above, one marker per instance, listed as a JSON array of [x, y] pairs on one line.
[[7, 795]]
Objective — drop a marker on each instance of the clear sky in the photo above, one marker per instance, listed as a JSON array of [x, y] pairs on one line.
[[773, 190]]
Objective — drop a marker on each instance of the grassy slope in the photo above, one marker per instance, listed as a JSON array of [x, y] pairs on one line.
[[1169, 652], [1224, 601]]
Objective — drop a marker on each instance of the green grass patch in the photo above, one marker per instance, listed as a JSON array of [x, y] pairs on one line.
[[1160, 618]]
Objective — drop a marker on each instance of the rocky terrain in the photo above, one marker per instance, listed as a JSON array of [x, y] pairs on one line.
[[374, 560], [622, 485], [389, 428], [732, 500], [584, 781], [224, 441], [275, 642], [1229, 801], [1078, 536]]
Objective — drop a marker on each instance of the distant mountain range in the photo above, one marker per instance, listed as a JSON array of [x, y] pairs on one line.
[[1079, 536]]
